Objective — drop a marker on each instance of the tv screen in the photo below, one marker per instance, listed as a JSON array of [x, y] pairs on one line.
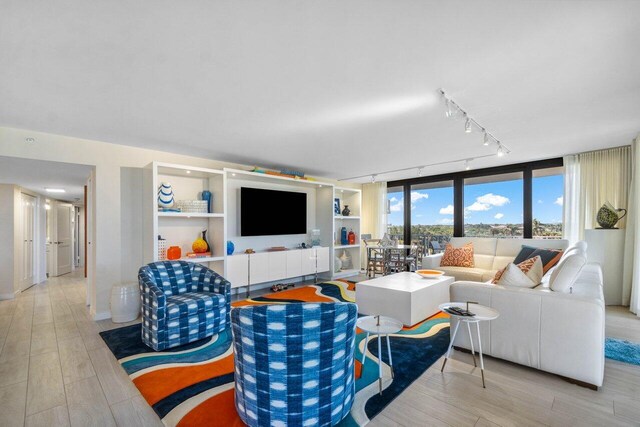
[[272, 212]]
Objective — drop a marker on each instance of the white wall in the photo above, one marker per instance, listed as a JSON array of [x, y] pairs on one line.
[[7, 249]]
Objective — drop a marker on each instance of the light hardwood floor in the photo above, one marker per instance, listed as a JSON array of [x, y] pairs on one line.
[[55, 370]]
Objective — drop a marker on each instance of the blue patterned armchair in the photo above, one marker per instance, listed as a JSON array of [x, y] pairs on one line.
[[182, 302], [294, 363]]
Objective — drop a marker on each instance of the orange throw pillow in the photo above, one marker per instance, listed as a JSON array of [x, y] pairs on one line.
[[457, 257], [524, 266]]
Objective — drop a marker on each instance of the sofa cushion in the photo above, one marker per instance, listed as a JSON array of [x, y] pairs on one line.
[[508, 250], [457, 257], [465, 273], [484, 250], [566, 273], [191, 303]]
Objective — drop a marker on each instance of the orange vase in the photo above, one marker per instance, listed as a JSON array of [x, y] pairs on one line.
[[174, 252]]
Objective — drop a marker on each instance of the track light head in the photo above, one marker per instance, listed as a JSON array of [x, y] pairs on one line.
[[467, 164], [485, 140], [373, 179], [500, 150], [467, 125], [419, 171]]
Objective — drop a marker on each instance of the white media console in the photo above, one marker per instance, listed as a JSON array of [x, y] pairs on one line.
[[260, 267]]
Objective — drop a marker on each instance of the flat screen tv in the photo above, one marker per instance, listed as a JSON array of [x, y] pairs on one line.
[[272, 212]]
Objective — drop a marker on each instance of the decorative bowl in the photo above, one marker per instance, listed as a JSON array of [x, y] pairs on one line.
[[430, 274]]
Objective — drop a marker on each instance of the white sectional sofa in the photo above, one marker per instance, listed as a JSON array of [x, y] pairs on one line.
[[561, 333]]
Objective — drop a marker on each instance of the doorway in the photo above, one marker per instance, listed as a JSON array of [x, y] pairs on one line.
[[27, 229], [60, 238]]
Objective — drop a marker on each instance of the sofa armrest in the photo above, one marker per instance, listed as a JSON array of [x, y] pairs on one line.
[[152, 295], [431, 261]]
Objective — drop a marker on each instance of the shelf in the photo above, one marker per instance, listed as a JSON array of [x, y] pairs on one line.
[[346, 217], [347, 190], [190, 215], [357, 245], [346, 273], [256, 176], [204, 259]]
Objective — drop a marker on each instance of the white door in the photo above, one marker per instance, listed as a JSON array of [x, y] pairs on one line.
[[323, 259], [258, 268], [28, 225], [63, 239], [238, 270], [277, 265], [308, 261]]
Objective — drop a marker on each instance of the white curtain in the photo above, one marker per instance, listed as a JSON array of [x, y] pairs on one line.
[[572, 219], [374, 211], [631, 278], [591, 179]]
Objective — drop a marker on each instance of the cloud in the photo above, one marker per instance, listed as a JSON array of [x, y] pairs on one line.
[[446, 221], [415, 196], [393, 199], [559, 201], [477, 206], [396, 207], [493, 199], [540, 201], [498, 216], [448, 210]]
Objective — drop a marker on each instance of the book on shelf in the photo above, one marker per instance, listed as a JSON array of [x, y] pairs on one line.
[[198, 254]]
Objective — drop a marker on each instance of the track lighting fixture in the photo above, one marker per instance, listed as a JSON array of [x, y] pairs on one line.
[[373, 179], [485, 141], [419, 171], [449, 112], [500, 151], [467, 125], [467, 165]]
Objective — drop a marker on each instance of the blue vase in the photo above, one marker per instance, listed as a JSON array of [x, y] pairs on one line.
[[344, 239], [230, 247], [206, 195]]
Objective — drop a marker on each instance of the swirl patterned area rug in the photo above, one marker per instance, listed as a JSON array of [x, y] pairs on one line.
[[192, 385]]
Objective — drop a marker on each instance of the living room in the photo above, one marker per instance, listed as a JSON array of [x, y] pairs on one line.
[[281, 213]]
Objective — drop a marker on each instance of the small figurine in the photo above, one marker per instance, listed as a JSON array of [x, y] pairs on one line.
[[249, 251], [282, 286]]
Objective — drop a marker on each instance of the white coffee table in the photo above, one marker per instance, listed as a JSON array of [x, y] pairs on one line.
[[405, 296], [482, 313], [379, 325]]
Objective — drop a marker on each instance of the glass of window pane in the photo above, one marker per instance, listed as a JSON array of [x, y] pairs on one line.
[[395, 213], [493, 206], [431, 215], [548, 190]]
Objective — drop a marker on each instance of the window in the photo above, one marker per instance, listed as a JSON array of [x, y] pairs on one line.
[[547, 190], [519, 200], [493, 206], [432, 214], [395, 213]]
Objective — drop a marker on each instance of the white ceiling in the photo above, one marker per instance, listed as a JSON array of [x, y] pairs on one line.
[[37, 175], [334, 88]]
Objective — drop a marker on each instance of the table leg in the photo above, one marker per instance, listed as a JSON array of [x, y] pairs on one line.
[[390, 360], [455, 331], [364, 350], [380, 363], [480, 351], [473, 353]]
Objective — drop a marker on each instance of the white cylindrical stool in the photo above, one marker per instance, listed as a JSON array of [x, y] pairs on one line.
[[125, 302]]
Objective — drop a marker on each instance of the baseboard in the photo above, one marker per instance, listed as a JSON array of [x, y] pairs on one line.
[[103, 315], [8, 296]]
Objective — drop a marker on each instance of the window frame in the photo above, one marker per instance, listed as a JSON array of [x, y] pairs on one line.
[[458, 191]]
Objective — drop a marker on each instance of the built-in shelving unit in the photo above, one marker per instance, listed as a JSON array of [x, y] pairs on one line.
[[353, 198], [182, 228]]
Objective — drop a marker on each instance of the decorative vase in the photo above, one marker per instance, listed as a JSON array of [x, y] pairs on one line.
[[174, 252], [346, 211], [351, 237], [230, 247], [345, 258], [200, 245], [165, 195], [337, 265], [608, 216], [344, 240], [206, 195]]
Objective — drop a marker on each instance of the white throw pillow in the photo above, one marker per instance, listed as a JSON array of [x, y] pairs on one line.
[[566, 273], [513, 276]]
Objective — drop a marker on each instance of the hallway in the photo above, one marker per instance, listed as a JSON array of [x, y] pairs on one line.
[[55, 370]]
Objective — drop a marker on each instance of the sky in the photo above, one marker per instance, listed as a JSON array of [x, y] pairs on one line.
[[489, 203]]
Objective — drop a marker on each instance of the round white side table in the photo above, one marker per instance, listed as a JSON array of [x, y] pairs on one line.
[[125, 302], [379, 325], [482, 313]]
